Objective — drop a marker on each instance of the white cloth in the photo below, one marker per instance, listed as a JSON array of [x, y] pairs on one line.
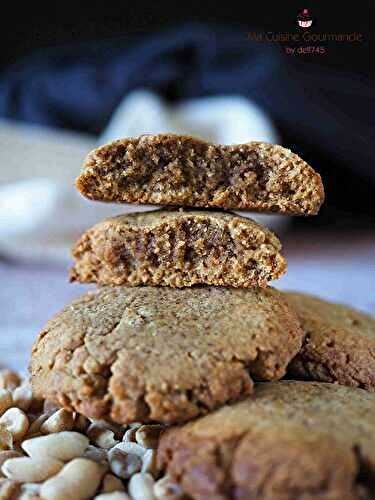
[[42, 214], [221, 119]]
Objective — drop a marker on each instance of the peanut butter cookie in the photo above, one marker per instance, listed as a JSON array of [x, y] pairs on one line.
[[339, 343], [163, 354], [289, 440], [178, 249], [170, 169]]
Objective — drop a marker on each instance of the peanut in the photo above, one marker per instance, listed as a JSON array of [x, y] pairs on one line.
[[124, 465], [141, 487], [16, 422], [117, 429], [102, 437], [148, 435], [22, 397], [5, 455], [63, 446], [31, 470], [61, 420], [149, 462], [77, 480], [129, 435]]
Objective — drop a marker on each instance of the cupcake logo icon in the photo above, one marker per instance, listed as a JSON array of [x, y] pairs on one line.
[[304, 19]]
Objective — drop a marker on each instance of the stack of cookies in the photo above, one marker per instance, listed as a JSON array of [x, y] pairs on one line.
[[183, 324]]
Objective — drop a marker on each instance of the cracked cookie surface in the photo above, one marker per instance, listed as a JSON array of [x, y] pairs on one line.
[[288, 440], [178, 248], [169, 169], [163, 354], [339, 343]]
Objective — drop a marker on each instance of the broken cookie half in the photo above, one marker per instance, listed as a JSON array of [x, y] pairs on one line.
[[168, 169], [178, 248]]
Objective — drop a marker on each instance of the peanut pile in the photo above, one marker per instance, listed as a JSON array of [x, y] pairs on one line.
[[49, 453]]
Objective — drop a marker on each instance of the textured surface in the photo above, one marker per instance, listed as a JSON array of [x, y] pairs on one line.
[[168, 169], [178, 248], [289, 440], [148, 353], [339, 344]]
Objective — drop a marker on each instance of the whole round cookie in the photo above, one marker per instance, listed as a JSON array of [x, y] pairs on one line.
[[339, 343], [289, 440], [162, 354]]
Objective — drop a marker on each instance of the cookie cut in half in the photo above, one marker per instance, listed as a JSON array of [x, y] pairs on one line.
[[289, 440], [168, 169], [339, 343], [162, 354], [178, 249]]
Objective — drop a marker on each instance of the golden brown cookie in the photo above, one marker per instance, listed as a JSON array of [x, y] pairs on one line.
[[163, 354], [178, 248], [339, 343], [168, 169], [290, 440]]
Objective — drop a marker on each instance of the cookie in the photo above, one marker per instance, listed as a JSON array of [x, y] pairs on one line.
[[170, 169], [290, 440], [178, 249], [163, 354], [339, 343]]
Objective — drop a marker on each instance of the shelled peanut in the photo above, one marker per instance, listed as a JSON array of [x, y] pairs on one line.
[[49, 453]]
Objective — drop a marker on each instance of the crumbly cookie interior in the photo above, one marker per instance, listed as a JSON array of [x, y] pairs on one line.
[[178, 251], [177, 170]]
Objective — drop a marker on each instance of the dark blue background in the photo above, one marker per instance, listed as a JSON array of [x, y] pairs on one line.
[[323, 106]]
